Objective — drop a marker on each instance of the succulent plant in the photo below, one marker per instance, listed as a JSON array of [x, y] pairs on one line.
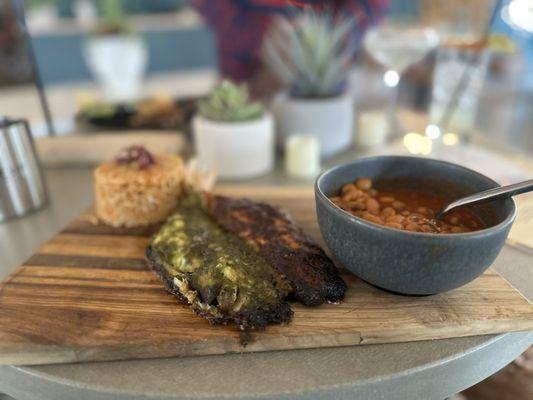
[[112, 20], [311, 53], [230, 103]]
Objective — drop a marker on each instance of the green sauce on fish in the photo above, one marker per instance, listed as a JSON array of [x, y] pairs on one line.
[[215, 272]]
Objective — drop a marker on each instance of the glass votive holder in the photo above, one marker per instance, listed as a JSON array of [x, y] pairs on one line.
[[372, 129], [302, 156]]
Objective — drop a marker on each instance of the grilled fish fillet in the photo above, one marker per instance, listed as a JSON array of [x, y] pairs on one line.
[[283, 245], [216, 273]]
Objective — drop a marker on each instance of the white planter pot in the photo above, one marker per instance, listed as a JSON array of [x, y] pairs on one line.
[[235, 149], [118, 62], [330, 120]]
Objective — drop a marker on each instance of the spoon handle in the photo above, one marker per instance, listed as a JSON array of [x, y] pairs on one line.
[[501, 192]]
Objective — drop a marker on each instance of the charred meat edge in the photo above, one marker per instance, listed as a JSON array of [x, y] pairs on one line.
[[283, 244]]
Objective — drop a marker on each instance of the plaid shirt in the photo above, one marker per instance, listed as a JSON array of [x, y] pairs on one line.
[[240, 25]]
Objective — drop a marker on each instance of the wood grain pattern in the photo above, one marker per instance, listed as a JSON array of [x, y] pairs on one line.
[[87, 295]]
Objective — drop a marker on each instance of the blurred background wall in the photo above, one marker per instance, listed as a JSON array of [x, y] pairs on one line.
[[178, 41]]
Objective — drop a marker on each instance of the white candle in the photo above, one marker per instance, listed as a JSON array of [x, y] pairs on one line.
[[302, 156], [372, 129]]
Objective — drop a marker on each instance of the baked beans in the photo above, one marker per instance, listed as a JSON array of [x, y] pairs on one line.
[[403, 209]]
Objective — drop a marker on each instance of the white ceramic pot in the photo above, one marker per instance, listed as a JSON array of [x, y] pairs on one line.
[[329, 119], [235, 149], [118, 62]]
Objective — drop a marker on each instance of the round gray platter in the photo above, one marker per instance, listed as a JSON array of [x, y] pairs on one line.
[[418, 370]]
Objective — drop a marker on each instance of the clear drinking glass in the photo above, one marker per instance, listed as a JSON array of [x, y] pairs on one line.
[[413, 29], [397, 43], [451, 65]]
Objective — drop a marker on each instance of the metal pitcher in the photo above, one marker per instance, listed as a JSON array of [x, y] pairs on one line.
[[22, 188]]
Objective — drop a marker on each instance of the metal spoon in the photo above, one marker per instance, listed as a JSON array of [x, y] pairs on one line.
[[502, 192]]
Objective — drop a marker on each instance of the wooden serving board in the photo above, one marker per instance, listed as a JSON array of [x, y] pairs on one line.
[[87, 295]]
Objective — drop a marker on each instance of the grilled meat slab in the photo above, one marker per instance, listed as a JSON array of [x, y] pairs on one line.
[[216, 273], [283, 245]]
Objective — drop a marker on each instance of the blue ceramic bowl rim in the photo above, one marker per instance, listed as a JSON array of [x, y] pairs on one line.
[[482, 232]]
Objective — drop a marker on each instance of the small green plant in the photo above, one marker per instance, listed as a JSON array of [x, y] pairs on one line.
[[112, 20], [229, 102], [35, 4], [311, 53]]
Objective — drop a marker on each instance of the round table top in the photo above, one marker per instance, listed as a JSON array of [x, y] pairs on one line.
[[426, 370]]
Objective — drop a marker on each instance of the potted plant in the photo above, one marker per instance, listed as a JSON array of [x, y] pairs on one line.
[[312, 55], [40, 14], [115, 55], [233, 136]]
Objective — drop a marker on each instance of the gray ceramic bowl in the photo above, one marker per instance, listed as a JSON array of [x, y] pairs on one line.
[[410, 262]]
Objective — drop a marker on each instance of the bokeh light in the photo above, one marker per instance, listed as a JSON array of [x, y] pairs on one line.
[[432, 131], [416, 143], [450, 139], [519, 14], [391, 78]]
